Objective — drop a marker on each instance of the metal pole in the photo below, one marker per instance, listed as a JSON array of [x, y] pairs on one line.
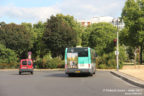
[[117, 55]]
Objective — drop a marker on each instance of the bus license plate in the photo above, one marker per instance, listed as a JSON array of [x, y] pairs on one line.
[[77, 71]]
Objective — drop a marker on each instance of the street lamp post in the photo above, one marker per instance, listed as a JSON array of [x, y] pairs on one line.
[[119, 24], [117, 48], [116, 23]]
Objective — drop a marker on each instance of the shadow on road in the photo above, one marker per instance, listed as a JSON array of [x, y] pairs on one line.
[[79, 75], [63, 75], [58, 75]]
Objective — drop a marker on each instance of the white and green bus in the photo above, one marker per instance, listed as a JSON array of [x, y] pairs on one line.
[[80, 60]]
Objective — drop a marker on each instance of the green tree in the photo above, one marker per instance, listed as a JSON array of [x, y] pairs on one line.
[[16, 37], [133, 16], [8, 58], [58, 35], [29, 29], [2, 24], [38, 45], [85, 38], [101, 37], [86, 34], [74, 25]]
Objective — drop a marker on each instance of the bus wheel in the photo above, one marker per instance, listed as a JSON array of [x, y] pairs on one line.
[[94, 72], [90, 74], [70, 75], [19, 73]]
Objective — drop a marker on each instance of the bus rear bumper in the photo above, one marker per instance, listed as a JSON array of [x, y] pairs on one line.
[[77, 71]]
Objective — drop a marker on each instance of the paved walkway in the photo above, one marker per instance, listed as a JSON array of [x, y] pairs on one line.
[[135, 71]]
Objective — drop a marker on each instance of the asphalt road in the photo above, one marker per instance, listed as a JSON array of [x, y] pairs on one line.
[[56, 83]]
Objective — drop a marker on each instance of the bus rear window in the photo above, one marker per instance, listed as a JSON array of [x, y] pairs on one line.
[[82, 52], [24, 62]]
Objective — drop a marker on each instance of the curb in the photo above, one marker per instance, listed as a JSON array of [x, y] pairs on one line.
[[49, 69], [34, 69], [105, 70], [60, 69], [129, 79], [9, 69]]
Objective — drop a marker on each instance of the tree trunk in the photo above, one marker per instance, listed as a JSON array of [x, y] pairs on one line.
[[141, 57]]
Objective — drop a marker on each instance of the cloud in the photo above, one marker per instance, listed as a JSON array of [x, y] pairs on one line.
[[32, 14], [90, 8], [80, 9]]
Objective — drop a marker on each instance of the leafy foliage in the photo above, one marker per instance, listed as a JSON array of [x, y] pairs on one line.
[[133, 16], [48, 40], [48, 62], [38, 45], [8, 58], [58, 35], [74, 25], [101, 37], [85, 35], [108, 61], [16, 37]]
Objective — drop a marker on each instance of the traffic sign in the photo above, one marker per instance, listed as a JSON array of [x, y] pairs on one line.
[[29, 53], [116, 52]]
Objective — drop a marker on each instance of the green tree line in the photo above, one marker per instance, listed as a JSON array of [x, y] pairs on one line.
[[48, 40]]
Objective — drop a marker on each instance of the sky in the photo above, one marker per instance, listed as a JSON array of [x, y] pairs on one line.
[[32, 11]]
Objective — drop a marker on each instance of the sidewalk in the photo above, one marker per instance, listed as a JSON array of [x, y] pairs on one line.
[[135, 71], [132, 74]]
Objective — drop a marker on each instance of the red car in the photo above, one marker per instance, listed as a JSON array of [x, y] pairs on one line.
[[26, 65]]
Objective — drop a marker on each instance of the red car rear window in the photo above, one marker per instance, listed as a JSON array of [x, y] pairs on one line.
[[29, 62], [24, 62]]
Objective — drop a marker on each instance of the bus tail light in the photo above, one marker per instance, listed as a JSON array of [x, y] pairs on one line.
[[65, 65], [89, 65]]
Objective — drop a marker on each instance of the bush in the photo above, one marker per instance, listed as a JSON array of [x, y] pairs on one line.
[[55, 63], [52, 63], [111, 63], [48, 62], [39, 63], [123, 56], [108, 60], [102, 66], [8, 58]]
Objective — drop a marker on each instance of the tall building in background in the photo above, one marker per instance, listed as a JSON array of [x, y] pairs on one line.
[[106, 19]]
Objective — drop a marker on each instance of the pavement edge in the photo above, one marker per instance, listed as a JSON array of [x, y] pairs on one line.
[[34, 69], [129, 79]]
